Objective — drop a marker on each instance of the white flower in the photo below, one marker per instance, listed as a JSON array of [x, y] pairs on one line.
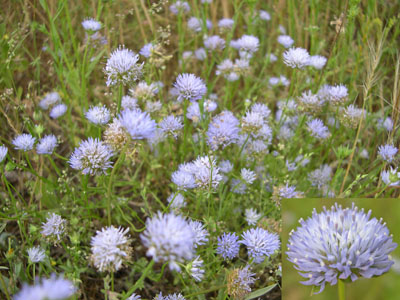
[[248, 176], [252, 216], [110, 248], [285, 40], [36, 254], [296, 58]]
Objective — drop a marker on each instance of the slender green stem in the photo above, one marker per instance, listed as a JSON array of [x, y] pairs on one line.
[[85, 180], [215, 288], [110, 182], [142, 277], [186, 125], [112, 281], [4, 287], [341, 290], [120, 89]]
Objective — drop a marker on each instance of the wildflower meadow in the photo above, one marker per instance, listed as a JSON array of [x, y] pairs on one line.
[[146, 145]]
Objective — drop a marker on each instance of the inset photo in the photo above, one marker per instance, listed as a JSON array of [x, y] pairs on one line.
[[340, 249]]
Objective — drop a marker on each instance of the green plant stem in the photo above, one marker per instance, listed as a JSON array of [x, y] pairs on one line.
[[142, 277], [120, 88], [112, 281], [215, 288], [109, 188], [341, 290], [186, 125], [4, 287], [85, 180]]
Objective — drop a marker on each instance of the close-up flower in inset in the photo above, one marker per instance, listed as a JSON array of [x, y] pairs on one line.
[[340, 244]]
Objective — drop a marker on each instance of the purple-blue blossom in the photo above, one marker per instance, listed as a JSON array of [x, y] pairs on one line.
[[228, 245], [340, 243], [260, 243]]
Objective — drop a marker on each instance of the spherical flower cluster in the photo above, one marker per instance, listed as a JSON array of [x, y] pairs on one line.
[[49, 100], [128, 102], [309, 102], [285, 40], [317, 61], [214, 42], [252, 121], [115, 135], [196, 24], [46, 144], [169, 238], [36, 254], [138, 124], [225, 24], [296, 58], [225, 166], [201, 234], [247, 45], [252, 216], [144, 91], [53, 288], [260, 243], [171, 125], [190, 87], [232, 70], [261, 109], [3, 153], [147, 50], [223, 130], [91, 157], [391, 177], [99, 115], [122, 67], [58, 111], [179, 6], [351, 116], [317, 129], [337, 94], [110, 248], [264, 15], [196, 269], [54, 227], [248, 176], [176, 201], [200, 54], [361, 246], [24, 142], [386, 124], [91, 24], [228, 245], [169, 297], [387, 152], [239, 282], [134, 297], [201, 173], [321, 176]]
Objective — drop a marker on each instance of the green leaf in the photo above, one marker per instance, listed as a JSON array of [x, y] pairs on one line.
[[260, 292]]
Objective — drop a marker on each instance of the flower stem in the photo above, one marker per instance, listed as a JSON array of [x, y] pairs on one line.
[[341, 290], [119, 98]]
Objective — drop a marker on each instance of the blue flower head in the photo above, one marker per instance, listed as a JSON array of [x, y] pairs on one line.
[[138, 124], [190, 87], [228, 245], [260, 243], [91, 157]]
